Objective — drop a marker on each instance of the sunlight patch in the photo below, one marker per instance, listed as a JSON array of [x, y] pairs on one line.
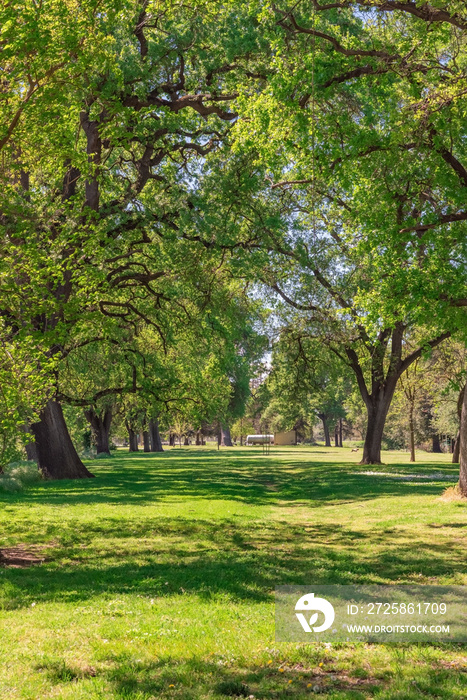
[[438, 476]]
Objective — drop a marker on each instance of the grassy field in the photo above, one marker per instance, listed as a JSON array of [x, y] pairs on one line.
[[159, 574]]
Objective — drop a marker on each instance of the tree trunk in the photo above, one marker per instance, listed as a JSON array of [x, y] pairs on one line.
[[100, 428], [146, 446], [377, 411], [154, 435], [199, 439], [56, 455], [463, 447], [456, 450], [327, 437], [133, 440], [186, 441], [340, 433], [31, 451], [226, 440], [171, 440], [336, 435], [411, 434], [436, 445], [30, 447]]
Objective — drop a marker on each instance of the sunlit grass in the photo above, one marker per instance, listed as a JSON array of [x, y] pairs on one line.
[[159, 575]]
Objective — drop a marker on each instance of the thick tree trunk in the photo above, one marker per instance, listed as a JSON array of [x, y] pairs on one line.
[[226, 440], [56, 455], [436, 445], [199, 439], [336, 435], [463, 447], [327, 437], [456, 450], [186, 442], [100, 427], [411, 435], [377, 411], [172, 440], [340, 433], [133, 440], [146, 446], [154, 435], [457, 444]]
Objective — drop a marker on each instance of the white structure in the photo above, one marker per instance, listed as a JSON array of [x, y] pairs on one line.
[[259, 440]]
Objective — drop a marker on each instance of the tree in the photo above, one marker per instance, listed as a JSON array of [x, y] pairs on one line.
[[241, 428], [369, 234], [96, 212], [24, 388], [306, 383]]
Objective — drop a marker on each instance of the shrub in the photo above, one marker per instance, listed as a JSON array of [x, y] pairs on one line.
[[19, 475]]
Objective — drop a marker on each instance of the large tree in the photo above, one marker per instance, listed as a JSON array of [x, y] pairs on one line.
[[361, 142], [97, 198]]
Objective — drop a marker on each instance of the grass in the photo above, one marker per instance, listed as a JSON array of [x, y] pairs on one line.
[[159, 575]]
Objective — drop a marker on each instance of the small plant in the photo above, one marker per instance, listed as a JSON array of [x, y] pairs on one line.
[[9, 485], [452, 493]]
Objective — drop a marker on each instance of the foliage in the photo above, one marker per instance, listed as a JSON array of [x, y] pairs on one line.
[[24, 387], [100, 215], [19, 475], [306, 383]]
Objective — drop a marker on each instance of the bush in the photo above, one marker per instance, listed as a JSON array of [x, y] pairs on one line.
[[18, 475], [9, 485], [87, 453]]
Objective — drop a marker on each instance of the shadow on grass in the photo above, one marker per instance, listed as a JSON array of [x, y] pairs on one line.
[[235, 475], [192, 678], [164, 557], [242, 558]]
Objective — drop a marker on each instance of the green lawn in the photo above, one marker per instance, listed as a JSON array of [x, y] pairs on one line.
[[159, 575]]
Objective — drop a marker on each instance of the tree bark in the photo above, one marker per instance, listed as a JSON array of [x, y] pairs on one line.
[[340, 433], [378, 395], [411, 434], [226, 440], [457, 443], [436, 445], [146, 446], [133, 440], [56, 455], [336, 435], [186, 442], [377, 411], [463, 448], [100, 427], [154, 435], [199, 440], [30, 447], [327, 437], [31, 451], [456, 450]]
